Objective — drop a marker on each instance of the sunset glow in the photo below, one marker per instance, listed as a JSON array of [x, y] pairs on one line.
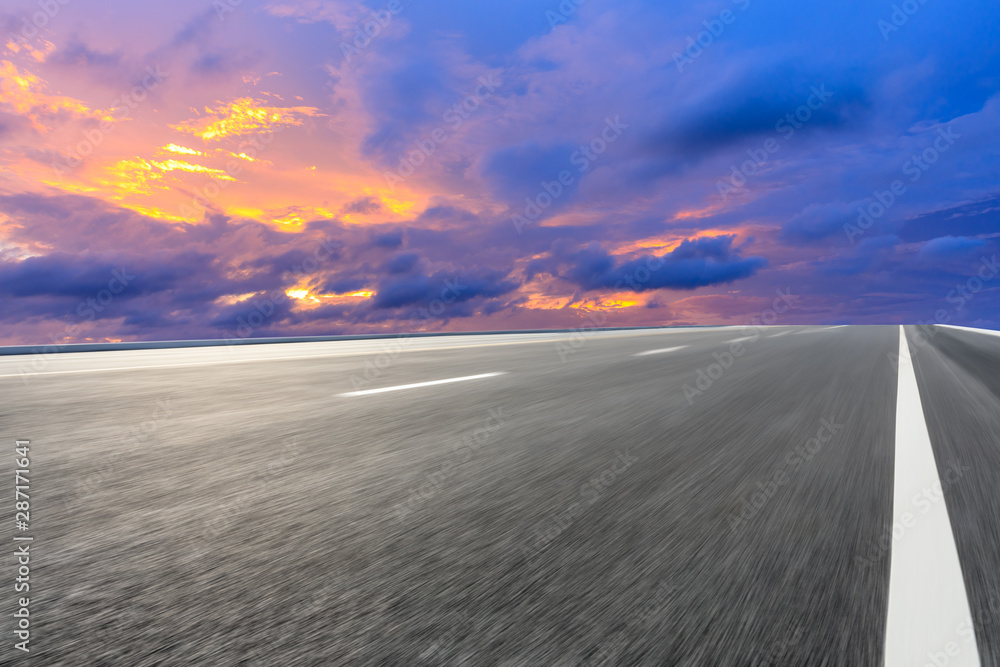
[[247, 152]]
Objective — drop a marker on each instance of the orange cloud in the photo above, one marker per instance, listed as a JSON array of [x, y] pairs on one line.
[[132, 177], [38, 53], [696, 213], [25, 94], [307, 299], [241, 117], [171, 165], [174, 148], [612, 301]]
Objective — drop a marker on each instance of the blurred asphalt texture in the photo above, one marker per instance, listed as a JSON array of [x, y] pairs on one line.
[[578, 510]]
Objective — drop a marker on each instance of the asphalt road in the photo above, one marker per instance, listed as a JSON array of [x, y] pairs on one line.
[[617, 498]]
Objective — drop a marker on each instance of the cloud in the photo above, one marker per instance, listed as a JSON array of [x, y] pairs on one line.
[[444, 286], [219, 64], [25, 94], [241, 117], [981, 217], [819, 221], [364, 205], [344, 283], [741, 109], [401, 102], [694, 263], [402, 263], [77, 54], [388, 251], [864, 256], [391, 239], [947, 247], [205, 280], [59, 275], [517, 172]]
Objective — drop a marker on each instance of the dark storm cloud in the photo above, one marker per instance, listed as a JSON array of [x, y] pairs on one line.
[[448, 287], [695, 263], [519, 171]]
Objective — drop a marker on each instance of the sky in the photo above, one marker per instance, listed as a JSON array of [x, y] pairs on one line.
[[233, 169]]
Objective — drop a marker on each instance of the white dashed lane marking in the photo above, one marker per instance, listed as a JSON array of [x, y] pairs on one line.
[[660, 351], [421, 384]]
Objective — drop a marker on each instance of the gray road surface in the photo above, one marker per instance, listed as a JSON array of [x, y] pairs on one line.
[[587, 505]]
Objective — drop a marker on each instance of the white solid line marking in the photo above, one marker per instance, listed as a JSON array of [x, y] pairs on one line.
[[192, 363], [666, 349], [740, 340], [819, 329], [358, 353], [928, 609], [421, 384], [780, 333], [988, 332]]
